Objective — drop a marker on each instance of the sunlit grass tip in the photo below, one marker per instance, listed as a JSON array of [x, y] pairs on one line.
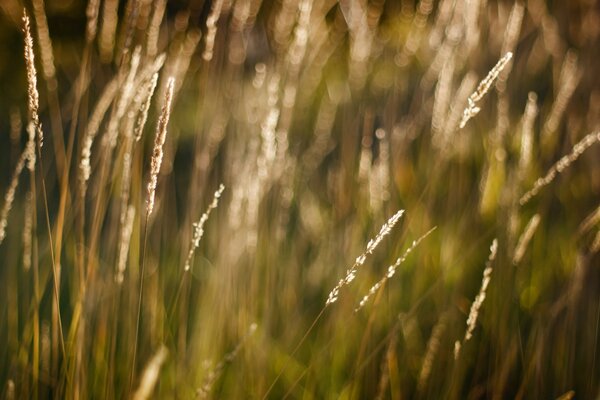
[[199, 226], [159, 141], [391, 270], [484, 86], [479, 299], [360, 260]]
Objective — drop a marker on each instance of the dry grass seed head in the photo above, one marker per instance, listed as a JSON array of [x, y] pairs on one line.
[[32, 92], [360, 260], [484, 86], [479, 299], [159, 141], [578, 149]]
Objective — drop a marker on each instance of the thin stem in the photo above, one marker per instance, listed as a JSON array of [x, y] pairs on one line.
[[54, 271], [139, 308]]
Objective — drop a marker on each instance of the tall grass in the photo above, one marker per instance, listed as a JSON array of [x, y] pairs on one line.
[[183, 203]]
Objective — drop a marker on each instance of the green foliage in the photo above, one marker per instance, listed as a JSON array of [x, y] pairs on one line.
[[321, 119]]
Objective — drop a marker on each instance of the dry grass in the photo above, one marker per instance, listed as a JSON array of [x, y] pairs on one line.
[[322, 119]]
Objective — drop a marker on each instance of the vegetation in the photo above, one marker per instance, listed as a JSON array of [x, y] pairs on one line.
[[300, 199]]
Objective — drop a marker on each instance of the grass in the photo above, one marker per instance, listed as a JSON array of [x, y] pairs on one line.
[[297, 199]]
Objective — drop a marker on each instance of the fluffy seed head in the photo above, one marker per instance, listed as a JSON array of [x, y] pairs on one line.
[[159, 141], [32, 92]]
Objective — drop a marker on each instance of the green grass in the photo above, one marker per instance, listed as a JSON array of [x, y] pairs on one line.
[[321, 119]]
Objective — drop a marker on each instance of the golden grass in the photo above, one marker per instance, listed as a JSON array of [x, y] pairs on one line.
[[325, 121]]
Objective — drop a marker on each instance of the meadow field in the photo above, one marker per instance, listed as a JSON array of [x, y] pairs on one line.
[[299, 199]]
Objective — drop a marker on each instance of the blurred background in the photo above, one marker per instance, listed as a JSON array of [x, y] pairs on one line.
[[322, 119]]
